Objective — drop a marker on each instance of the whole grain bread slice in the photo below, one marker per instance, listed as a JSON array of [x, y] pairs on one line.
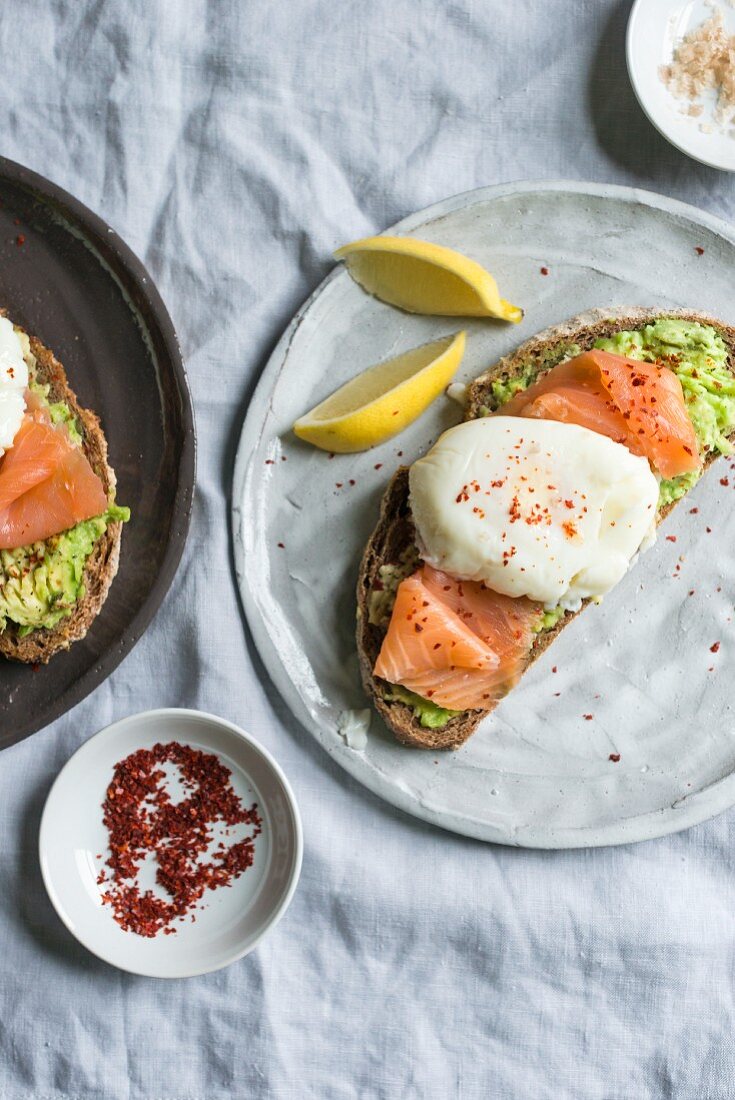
[[395, 532], [40, 645]]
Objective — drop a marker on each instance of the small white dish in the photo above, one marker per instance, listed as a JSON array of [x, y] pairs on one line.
[[231, 921], [654, 28]]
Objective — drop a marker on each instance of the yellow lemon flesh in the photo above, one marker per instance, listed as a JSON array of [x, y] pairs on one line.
[[421, 277], [384, 399]]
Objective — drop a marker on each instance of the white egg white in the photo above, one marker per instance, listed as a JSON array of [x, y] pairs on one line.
[[13, 384], [533, 508]]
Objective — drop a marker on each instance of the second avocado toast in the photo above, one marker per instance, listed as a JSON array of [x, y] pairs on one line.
[[52, 589]]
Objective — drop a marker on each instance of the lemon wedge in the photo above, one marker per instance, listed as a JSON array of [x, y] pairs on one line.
[[422, 277], [384, 399]]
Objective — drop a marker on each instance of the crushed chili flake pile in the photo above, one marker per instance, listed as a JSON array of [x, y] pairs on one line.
[[142, 820]]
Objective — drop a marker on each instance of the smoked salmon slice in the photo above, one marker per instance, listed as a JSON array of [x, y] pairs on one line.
[[470, 646], [47, 484], [638, 404]]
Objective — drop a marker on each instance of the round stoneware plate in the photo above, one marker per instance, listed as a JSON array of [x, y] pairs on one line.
[[537, 772], [229, 922], [654, 29], [67, 278]]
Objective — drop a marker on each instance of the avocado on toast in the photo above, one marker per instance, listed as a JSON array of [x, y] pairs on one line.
[[51, 590], [392, 553]]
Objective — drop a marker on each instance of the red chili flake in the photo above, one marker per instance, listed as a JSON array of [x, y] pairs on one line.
[[377, 465], [711, 668], [671, 538], [418, 628], [554, 668], [281, 546], [283, 458], [708, 530], [269, 462], [693, 511], [331, 454], [142, 820], [352, 481], [568, 503], [544, 271], [588, 717], [690, 592], [699, 250], [714, 648], [724, 481], [20, 240], [557, 694], [400, 454], [569, 530], [614, 756], [338, 484]]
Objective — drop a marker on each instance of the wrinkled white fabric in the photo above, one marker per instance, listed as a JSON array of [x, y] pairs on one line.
[[234, 144]]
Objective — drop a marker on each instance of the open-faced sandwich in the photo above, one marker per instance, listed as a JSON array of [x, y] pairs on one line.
[[573, 449], [60, 528]]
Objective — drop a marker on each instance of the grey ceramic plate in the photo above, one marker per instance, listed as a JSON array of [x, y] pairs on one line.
[[68, 278], [537, 772]]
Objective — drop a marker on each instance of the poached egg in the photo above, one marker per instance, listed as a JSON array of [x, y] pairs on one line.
[[533, 508], [13, 384]]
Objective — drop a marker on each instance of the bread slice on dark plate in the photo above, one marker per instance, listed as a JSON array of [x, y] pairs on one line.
[[393, 541], [38, 646]]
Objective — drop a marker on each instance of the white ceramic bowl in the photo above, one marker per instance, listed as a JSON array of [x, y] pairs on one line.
[[234, 919], [654, 27]]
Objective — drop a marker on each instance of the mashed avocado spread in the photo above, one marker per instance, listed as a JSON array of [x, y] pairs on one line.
[[698, 356], [429, 714], [40, 583]]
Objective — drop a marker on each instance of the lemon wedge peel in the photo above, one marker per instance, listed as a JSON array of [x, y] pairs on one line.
[[384, 399], [421, 277]]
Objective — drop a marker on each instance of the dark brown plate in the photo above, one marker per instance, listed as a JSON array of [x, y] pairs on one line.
[[66, 277]]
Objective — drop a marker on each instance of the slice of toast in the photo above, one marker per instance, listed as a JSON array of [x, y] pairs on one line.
[[102, 564], [395, 532]]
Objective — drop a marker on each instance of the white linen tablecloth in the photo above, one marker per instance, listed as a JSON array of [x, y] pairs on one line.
[[234, 144]]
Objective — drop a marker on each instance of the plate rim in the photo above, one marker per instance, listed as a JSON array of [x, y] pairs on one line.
[[630, 45], [19, 175], [695, 808], [256, 746]]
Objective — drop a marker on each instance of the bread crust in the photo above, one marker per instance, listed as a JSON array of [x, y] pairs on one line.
[[40, 645], [395, 531]]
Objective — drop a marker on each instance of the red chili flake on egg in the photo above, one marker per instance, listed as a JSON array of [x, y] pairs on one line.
[[142, 821], [281, 546], [693, 511], [714, 648], [377, 465], [724, 481], [544, 271], [699, 250], [671, 538], [614, 756], [588, 717], [554, 668], [708, 530], [352, 481]]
